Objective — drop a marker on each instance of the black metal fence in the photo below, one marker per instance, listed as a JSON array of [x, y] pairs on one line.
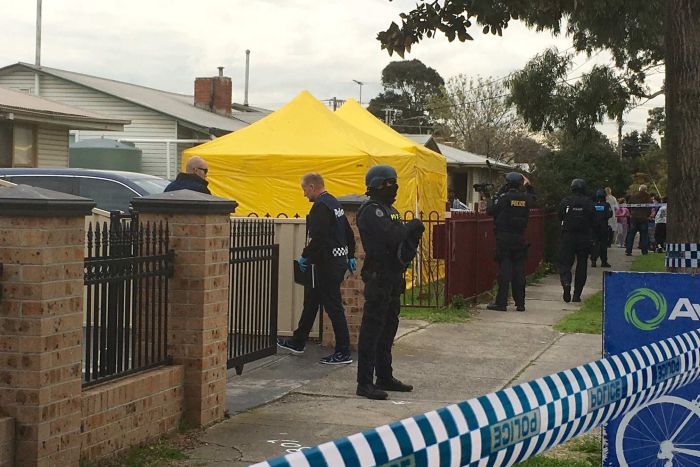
[[127, 266], [253, 278], [425, 277]]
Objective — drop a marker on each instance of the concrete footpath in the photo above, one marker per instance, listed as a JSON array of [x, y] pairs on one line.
[[287, 401]]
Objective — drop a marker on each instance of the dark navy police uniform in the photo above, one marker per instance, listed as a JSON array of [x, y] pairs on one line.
[[384, 238], [511, 212], [185, 181], [577, 216], [330, 244], [601, 235]]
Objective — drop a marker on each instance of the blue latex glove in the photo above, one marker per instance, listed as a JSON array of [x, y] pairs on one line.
[[302, 263], [352, 265]]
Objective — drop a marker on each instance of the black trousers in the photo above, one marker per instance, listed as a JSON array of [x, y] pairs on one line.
[[511, 252], [380, 321], [600, 246], [660, 235], [574, 247], [641, 226], [326, 294]]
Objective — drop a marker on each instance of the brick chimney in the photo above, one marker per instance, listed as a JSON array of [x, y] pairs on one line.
[[214, 94]]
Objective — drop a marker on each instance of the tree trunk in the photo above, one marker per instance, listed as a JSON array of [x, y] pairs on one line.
[[619, 135], [683, 119]]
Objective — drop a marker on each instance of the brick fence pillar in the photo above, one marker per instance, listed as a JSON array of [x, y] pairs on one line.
[[198, 294], [352, 289], [42, 250]]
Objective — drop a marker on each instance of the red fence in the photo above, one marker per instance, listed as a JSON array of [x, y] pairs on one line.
[[469, 252]]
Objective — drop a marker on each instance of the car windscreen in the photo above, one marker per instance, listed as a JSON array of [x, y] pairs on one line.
[[151, 185]]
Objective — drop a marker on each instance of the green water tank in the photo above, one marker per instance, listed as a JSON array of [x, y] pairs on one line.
[[104, 154]]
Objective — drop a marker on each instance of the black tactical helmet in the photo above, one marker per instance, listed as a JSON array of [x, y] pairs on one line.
[[600, 194], [378, 175], [514, 179], [578, 184]]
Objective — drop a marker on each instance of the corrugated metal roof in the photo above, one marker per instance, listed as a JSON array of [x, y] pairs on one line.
[[22, 102], [420, 139], [457, 157], [179, 106]]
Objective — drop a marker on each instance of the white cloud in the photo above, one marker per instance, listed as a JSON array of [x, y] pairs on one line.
[[296, 44]]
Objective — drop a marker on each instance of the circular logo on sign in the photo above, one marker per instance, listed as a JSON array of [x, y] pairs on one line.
[[639, 295]]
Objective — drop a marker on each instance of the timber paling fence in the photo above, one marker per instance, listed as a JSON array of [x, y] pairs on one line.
[[514, 424]]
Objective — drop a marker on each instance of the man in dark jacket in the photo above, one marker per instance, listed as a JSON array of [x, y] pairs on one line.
[[577, 215], [390, 246], [601, 235], [639, 221], [511, 210], [330, 252], [194, 179]]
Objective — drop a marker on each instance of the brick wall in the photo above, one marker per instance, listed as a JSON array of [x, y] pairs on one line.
[[7, 442], [214, 94], [130, 411]]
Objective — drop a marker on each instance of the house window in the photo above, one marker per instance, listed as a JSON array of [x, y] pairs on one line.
[[17, 145]]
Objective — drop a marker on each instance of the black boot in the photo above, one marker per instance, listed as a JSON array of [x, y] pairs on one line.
[[370, 392], [577, 296], [393, 384], [593, 263], [567, 293], [496, 307], [606, 265]]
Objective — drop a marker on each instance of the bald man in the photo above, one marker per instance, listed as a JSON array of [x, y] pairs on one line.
[[194, 179]]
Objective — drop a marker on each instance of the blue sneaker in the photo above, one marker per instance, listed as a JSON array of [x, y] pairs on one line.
[[291, 345], [337, 358]]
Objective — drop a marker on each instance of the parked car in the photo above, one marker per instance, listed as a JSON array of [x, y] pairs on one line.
[[111, 189]]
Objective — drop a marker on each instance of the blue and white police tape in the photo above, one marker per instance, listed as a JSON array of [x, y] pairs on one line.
[[682, 255], [514, 424], [642, 205]]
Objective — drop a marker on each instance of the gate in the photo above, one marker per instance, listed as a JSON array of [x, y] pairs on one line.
[[425, 276], [127, 267], [253, 270]]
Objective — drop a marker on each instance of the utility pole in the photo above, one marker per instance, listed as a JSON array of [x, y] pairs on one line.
[[360, 83], [37, 58]]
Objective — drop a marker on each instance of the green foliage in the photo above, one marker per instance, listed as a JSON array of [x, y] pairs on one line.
[[588, 319], [476, 116], [653, 262], [588, 155], [408, 86], [162, 452], [547, 102], [631, 31], [447, 314], [458, 301]]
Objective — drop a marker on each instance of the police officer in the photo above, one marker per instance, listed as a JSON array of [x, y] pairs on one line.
[[331, 250], [577, 215], [601, 229], [389, 246], [511, 210]]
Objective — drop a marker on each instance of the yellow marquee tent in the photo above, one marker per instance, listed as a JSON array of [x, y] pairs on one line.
[[260, 166], [430, 167]]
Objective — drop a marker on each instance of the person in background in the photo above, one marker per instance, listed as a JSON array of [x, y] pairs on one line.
[[577, 217], [655, 199], [612, 222], [639, 221], [603, 214], [622, 215], [661, 226], [195, 177]]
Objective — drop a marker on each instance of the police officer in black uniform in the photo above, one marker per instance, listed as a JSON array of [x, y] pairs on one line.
[[389, 246], [577, 216], [331, 251], [601, 230], [511, 210]]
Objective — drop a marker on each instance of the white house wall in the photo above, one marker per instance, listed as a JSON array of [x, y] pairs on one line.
[[145, 123], [52, 147]]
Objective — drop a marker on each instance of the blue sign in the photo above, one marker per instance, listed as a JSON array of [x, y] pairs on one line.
[[638, 309]]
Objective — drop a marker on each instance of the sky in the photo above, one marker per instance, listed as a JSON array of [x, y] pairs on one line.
[[319, 46]]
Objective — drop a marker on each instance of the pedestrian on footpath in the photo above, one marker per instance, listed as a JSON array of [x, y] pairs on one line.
[[510, 209], [577, 215], [612, 222], [661, 226], [601, 232], [622, 215], [195, 177], [390, 246], [330, 251], [639, 221]]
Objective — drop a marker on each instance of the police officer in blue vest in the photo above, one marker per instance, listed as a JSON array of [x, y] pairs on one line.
[[601, 234], [511, 211], [577, 216], [390, 245], [331, 252]]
